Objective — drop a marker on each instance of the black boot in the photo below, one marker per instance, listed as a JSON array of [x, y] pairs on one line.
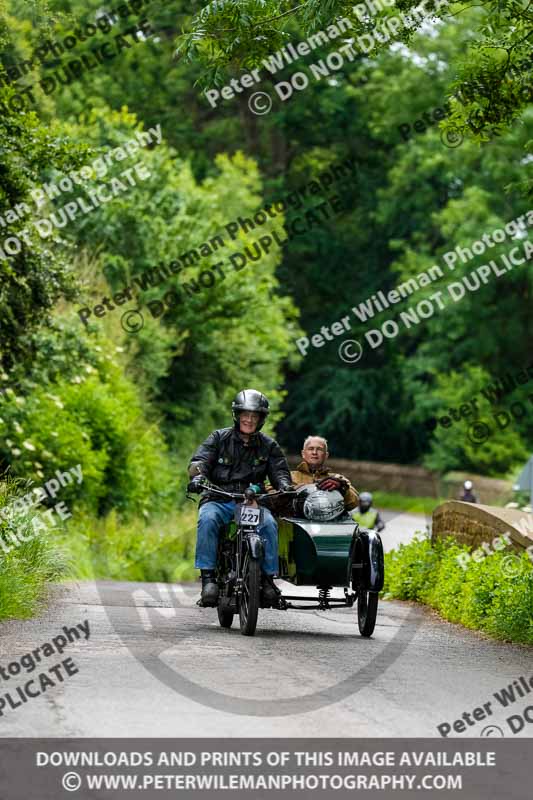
[[209, 587], [269, 590]]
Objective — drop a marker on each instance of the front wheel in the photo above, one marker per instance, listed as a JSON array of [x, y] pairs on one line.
[[249, 599], [225, 617], [367, 609]]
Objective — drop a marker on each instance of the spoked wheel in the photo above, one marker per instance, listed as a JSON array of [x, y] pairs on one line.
[[367, 609], [249, 599], [225, 617]]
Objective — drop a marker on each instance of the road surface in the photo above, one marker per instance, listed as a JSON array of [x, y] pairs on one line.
[[157, 665]]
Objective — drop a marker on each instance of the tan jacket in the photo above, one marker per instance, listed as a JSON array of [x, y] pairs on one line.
[[302, 475]]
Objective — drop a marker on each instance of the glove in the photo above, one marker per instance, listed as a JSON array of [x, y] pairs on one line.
[[286, 487], [196, 484], [329, 484]]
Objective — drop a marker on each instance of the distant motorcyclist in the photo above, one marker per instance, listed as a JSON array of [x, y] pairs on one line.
[[468, 495], [233, 458], [366, 515], [313, 469]]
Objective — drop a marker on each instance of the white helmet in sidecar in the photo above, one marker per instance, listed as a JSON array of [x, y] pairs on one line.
[[323, 506]]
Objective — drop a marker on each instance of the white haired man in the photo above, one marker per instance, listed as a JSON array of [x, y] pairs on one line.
[[313, 469]]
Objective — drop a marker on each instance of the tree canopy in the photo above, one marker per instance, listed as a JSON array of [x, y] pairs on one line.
[[438, 128]]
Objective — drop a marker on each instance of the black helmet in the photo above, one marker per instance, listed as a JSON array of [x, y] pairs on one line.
[[250, 400], [365, 501]]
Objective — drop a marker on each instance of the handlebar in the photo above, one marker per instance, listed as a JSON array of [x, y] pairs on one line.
[[247, 495]]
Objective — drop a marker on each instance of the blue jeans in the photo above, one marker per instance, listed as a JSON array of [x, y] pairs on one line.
[[210, 520]]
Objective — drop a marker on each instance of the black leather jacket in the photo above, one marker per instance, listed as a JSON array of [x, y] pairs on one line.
[[226, 461]]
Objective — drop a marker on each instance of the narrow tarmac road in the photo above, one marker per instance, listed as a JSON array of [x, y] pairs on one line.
[[157, 665]]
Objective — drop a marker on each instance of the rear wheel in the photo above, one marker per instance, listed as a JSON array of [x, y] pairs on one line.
[[367, 609], [249, 599]]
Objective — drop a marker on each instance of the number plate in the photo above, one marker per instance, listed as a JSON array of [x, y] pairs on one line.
[[250, 515]]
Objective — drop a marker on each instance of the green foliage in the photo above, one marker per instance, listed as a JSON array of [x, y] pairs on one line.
[[226, 37], [196, 352], [407, 570], [132, 408], [411, 504], [32, 280], [494, 595], [457, 446], [26, 567], [158, 549], [85, 411]]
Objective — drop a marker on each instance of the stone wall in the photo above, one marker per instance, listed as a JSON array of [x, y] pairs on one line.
[[488, 490], [473, 524], [372, 476]]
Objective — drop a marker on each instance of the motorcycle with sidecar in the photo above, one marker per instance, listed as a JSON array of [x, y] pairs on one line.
[[324, 554]]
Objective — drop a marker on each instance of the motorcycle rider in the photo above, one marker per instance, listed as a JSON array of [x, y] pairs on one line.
[[313, 469], [468, 495], [233, 458], [366, 515]]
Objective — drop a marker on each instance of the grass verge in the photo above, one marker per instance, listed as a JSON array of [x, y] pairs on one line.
[[494, 595], [111, 548], [33, 555], [30, 557], [400, 502]]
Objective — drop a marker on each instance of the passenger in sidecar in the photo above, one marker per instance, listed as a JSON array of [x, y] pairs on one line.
[[314, 470]]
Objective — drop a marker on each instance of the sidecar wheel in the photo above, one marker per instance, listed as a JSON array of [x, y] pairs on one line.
[[249, 599], [367, 609]]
